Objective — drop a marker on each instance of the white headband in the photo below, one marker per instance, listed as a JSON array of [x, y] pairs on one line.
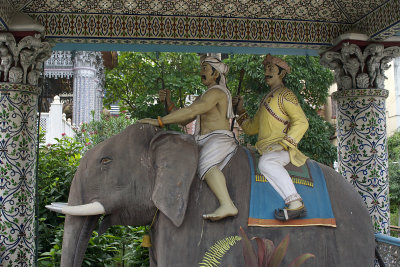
[[221, 67]]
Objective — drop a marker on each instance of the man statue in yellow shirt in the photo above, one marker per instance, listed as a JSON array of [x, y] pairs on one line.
[[280, 124], [217, 144]]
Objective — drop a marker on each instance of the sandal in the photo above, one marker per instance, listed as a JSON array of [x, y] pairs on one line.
[[286, 214]]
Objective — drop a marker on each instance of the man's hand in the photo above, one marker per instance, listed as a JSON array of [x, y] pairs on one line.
[[153, 122], [238, 100], [164, 94]]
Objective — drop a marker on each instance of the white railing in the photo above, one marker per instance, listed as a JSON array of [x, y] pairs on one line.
[[54, 124]]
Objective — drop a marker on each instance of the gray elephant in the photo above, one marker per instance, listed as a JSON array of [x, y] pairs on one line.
[[131, 175]]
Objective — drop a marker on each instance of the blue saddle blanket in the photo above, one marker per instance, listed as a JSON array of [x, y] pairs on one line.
[[309, 183]]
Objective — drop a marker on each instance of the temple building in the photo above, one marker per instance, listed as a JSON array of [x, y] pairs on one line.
[[78, 78]]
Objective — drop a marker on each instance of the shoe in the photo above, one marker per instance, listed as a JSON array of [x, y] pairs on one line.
[[286, 214]]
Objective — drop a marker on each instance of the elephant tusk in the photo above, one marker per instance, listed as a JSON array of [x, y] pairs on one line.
[[56, 206], [94, 208]]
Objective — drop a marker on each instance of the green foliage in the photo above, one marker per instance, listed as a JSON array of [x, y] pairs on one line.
[[308, 80], [213, 256], [135, 82], [394, 170], [95, 132], [268, 255], [57, 166], [120, 245], [315, 143]]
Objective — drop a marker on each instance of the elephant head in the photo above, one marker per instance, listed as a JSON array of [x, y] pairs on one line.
[[127, 178]]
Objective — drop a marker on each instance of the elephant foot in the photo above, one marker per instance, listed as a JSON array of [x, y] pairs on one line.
[[222, 212]]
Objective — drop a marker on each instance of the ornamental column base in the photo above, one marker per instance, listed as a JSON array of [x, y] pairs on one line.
[[362, 152]]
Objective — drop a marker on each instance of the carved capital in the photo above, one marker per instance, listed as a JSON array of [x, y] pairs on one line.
[[93, 60], [360, 69], [22, 62], [86, 59]]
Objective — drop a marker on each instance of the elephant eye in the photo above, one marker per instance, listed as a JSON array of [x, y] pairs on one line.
[[105, 161]]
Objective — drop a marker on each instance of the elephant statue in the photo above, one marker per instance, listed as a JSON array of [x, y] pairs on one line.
[[132, 175]]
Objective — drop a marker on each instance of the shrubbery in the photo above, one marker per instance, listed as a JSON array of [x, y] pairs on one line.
[[119, 246]]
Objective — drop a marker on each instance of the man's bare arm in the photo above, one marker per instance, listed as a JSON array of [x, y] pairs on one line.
[[185, 115], [204, 104]]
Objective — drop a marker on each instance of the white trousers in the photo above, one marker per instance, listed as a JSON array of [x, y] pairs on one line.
[[271, 165]]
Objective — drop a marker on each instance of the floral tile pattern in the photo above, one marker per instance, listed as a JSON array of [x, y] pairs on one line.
[[17, 168], [362, 153]]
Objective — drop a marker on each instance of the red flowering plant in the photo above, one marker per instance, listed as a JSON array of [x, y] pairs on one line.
[[96, 131], [268, 255]]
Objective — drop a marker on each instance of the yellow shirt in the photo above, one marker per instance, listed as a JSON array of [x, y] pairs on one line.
[[279, 120]]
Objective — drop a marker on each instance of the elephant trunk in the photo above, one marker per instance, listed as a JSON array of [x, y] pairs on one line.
[[77, 232]]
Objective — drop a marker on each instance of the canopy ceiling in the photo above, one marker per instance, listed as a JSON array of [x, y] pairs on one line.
[[222, 24]]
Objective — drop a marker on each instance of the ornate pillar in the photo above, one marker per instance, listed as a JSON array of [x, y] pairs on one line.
[[20, 68], [88, 78], [361, 122], [396, 65]]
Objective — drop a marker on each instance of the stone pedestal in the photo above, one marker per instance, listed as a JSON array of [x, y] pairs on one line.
[[20, 68], [362, 153], [361, 121]]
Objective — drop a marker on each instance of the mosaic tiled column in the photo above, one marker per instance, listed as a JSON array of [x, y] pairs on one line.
[[20, 69], [362, 154], [361, 122]]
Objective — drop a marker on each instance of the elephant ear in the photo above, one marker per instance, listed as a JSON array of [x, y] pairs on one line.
[[175, 157]]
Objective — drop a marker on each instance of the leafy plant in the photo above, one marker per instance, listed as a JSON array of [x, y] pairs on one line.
[[120, 245], [268, 255], [95, 132], [135, 82], [217, 251], [393, 143], [57, 165]]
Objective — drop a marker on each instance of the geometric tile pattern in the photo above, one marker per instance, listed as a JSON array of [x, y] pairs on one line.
[[6, 13], [19, 4], [376, 24], [18, 137], [189, 30], [343, 11], [8, 9], [252, 23], [362, 150]]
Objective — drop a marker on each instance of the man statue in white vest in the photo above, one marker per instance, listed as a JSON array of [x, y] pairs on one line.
[[213, 110]]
